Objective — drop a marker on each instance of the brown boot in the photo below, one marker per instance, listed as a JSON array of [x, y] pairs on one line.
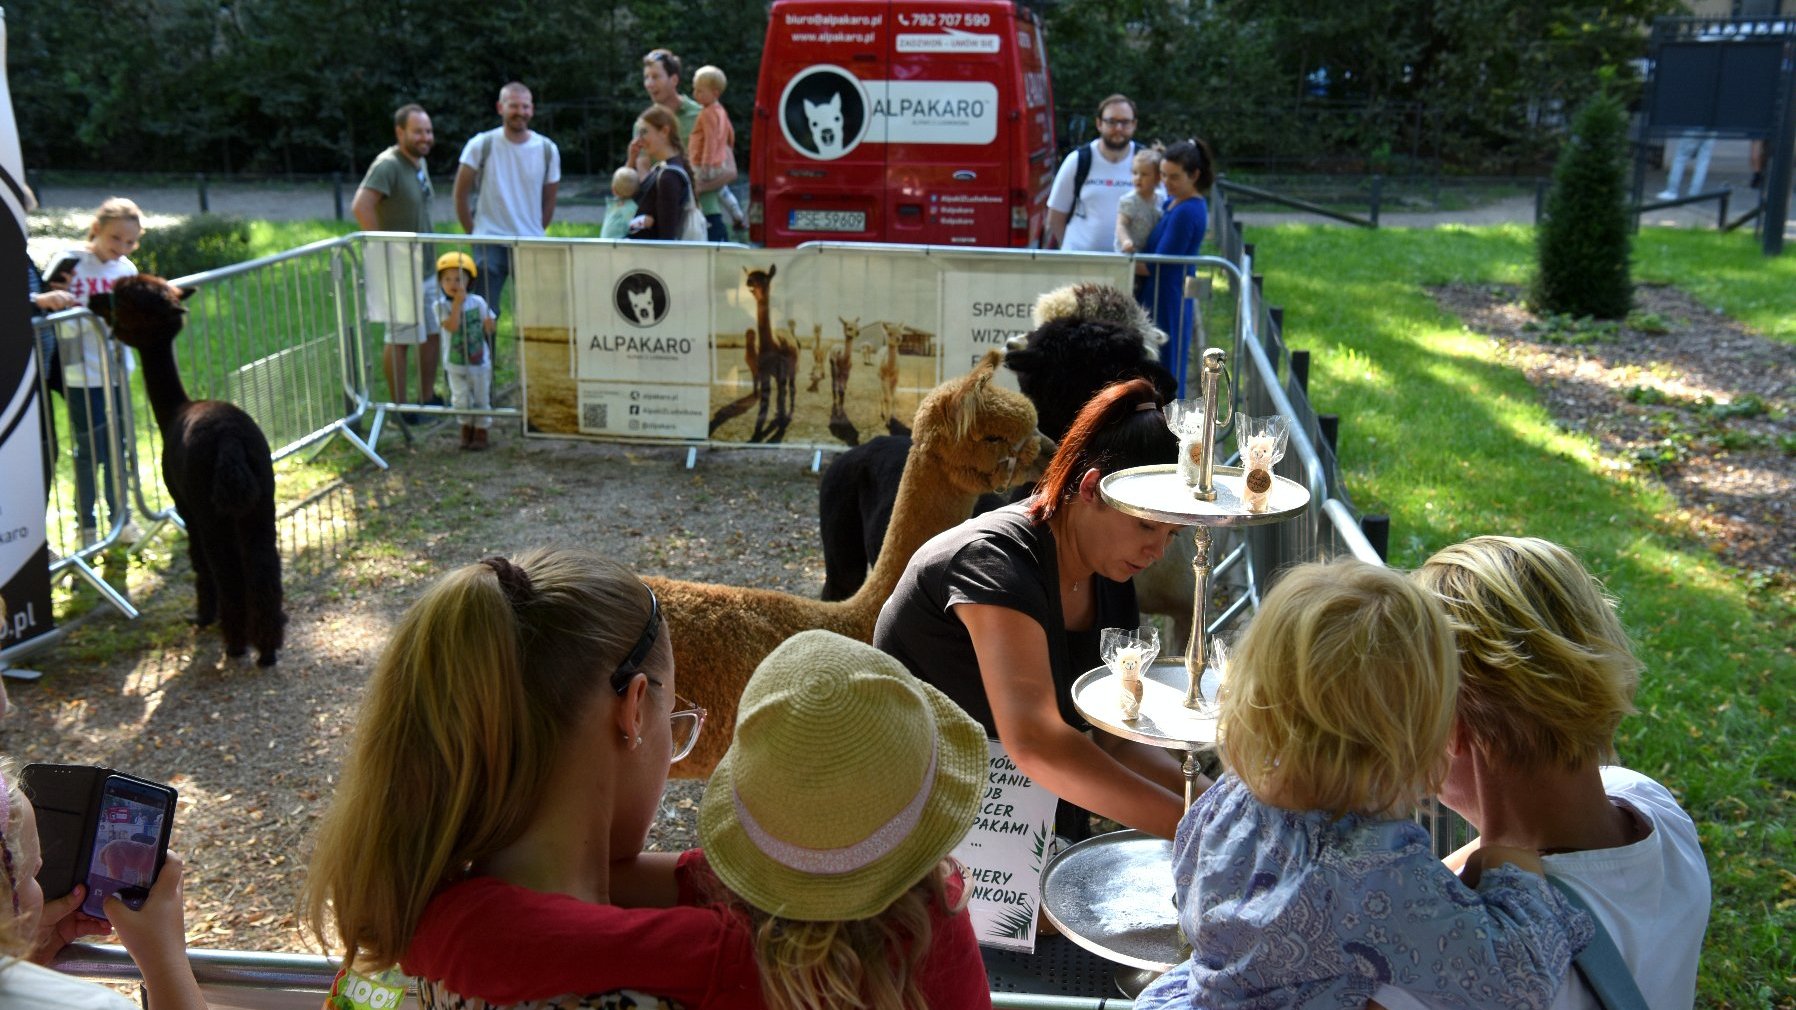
[[467, 436], [479, 439]]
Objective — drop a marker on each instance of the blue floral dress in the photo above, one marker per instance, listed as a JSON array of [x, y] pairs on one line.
[[1288, 908]]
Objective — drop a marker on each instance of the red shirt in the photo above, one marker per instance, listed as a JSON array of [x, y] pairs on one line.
[[503, 944]]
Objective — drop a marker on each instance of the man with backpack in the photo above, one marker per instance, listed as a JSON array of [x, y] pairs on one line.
[[1092, 181], [517, 173]]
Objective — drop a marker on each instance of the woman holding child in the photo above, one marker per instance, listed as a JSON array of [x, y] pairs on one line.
[[1546, 675], [1003, 613], [1187, 171], [487, 832], [666, 189]]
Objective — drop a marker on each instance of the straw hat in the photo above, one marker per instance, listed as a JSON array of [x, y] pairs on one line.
[[846, 780]]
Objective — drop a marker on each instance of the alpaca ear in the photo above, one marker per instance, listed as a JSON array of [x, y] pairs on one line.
[[187, 293], [100, 304], [772, 268]]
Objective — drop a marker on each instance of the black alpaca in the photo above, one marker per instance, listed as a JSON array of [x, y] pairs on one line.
[[218, 469], [1059, 365]]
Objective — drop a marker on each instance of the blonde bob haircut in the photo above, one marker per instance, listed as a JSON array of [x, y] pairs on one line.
[[1340, 694], [463, 721], [1546, 671], [15, 939]]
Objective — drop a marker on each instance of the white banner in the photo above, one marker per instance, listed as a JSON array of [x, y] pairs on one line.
[[808, 347], [24, 547], [1005, 853]]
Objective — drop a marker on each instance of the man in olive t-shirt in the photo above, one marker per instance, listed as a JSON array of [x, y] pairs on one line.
[[395, 196], [661, 79]]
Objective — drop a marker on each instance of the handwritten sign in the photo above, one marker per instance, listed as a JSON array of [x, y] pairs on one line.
[[1005, 853]]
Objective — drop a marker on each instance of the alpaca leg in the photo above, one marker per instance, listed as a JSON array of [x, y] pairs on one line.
[[265, 621], [225, 556], [205, 588], [762, 388]]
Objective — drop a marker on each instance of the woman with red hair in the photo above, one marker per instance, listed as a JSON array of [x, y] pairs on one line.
[[1002, 613]]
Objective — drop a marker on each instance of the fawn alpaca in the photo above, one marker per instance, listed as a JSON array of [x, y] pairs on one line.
[[219, 471]]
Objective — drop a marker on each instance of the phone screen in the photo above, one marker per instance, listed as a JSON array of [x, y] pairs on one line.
[[129, 839]]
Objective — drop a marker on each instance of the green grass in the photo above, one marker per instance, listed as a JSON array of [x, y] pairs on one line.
[[1725, 271], [1438, 432]]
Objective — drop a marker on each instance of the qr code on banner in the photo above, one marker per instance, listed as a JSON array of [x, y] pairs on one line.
[[595, 415]]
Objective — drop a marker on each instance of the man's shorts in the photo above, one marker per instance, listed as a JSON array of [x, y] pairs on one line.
[[411, 334]]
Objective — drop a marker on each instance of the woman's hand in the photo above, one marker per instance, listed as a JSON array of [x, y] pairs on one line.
[[62, 923]]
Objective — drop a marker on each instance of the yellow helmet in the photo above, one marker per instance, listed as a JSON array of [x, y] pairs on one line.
[[457, 259]]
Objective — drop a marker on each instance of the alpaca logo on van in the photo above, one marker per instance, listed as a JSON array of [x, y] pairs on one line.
[[640, 298], [824, 112]]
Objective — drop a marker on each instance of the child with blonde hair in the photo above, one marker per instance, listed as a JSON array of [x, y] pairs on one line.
[[153, 935], [112, 237], [1139, 209], [1302, 880], [624, 183], [711, 150]]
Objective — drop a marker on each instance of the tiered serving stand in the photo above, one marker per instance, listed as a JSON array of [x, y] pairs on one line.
[[1113, 894]]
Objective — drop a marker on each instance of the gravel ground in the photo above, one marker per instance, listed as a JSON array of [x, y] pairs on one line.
[[254, 753]]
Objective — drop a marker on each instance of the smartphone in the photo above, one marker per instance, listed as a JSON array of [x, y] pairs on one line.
[[60, 271], [130, 842]]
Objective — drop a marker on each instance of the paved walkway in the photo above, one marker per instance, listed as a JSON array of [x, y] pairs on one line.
[[300, 201]]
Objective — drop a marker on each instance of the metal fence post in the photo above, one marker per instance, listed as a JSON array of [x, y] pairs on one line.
[[205, 205], [337, 193], [1377, 196]]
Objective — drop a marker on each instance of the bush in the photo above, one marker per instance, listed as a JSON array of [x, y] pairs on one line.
[[201, 243], [1586, 232]]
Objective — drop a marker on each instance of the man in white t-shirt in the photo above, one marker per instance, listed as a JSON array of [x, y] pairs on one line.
[[1546, 675], [1082, 213], [518, 174]]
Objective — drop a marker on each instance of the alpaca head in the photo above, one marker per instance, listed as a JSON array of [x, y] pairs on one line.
[[758, 281], [1093, 301], [1060, 364], [143, 311], [980, 433]]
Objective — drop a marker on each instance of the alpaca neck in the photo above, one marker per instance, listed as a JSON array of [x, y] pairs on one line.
[[162, 382], [763, 317], [927, 504]]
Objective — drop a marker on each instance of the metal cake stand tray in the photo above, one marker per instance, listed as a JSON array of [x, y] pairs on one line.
[[1112, 894], [1158, 492], [1165, 721]]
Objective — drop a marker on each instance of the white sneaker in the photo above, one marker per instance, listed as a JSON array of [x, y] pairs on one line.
[[1668, 195], [130, 533]]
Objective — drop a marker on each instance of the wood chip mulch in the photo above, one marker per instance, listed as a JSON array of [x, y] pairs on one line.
[[1680, 391]]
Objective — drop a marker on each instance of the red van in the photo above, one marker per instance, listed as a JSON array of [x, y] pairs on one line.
[[910, 121]]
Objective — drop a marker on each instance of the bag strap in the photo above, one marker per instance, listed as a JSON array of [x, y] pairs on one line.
[[1081, 172], [1600, 964]]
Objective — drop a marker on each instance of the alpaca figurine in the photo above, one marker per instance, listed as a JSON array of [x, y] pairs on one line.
[[218, 469], [1128, 664], [1186, 419], [972, 435], [1262, 441]]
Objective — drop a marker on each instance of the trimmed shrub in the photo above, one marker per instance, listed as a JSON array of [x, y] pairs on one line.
[[1586, 232], [205, 242]]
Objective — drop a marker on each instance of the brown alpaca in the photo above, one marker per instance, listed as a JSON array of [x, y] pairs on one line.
[[888, 373], [841, 363], [777, 371], [817, 356], [971, 436]]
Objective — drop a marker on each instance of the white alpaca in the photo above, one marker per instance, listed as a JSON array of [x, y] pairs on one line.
[[643, 304], [825, 119]]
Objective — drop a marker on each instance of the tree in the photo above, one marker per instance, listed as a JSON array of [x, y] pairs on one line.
[[1585, 236]]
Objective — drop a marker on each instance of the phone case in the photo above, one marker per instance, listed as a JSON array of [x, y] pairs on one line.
[[67, 801]]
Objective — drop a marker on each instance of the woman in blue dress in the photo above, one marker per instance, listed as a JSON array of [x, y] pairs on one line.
[[1187, 171]]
